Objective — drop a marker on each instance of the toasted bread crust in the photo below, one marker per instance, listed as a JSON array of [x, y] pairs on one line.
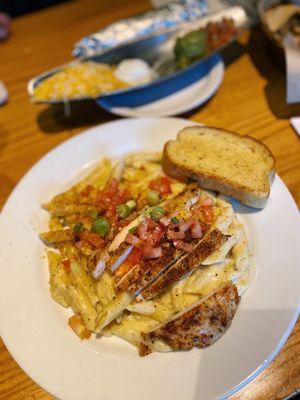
[[217, 182]]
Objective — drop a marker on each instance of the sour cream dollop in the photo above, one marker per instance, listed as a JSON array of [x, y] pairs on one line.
[[134, 71]]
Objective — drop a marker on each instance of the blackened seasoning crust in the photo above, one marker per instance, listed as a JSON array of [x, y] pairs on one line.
[[200, 327]]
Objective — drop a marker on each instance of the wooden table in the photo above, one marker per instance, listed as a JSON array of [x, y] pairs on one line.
[[251, 101]]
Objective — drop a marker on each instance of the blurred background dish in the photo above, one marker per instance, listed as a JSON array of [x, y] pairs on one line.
[[210, 76], [144, 71]]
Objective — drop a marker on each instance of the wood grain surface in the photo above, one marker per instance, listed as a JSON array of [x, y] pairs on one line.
[[251, 100]]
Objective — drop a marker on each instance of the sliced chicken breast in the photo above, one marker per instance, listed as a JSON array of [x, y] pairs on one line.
[[199, 327]]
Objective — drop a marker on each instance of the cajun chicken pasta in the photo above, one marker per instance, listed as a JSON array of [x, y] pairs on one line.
[[136, 254]]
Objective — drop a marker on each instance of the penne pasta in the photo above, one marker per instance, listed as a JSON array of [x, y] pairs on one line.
[[59, 280], [135, 249]]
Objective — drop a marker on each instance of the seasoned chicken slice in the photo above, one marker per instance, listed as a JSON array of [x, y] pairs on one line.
[[200, 327], [211, 242], [147, 270]]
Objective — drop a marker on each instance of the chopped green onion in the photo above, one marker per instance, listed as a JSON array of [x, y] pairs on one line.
[[156, 213], [153, 198], [78, 227], [146, 212], [101, 226], [123, 210], [175, 220], [133, 229], [131, 204]]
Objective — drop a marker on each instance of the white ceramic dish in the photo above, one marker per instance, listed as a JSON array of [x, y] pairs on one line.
[[35, 330], [180, 102]]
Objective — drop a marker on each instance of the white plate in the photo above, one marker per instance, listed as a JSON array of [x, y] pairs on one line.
[[181, 101], [35, 330]]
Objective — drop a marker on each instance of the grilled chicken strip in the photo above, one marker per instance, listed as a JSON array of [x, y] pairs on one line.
[[199, 327], [211, 242], [144, 272]]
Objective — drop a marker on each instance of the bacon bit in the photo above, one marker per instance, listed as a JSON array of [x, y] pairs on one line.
[[67, 265], [93, 238], [87, 190], [132, 239], [196, 230], [135, 257], [181, 245], [78, 327], [206, 202], [161, 185], [152, 252], [175, 235], [208, 213]]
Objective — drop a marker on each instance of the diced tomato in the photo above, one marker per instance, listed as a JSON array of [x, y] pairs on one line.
[[112, 188], [93, 238], [161, 185], [165, 185], [111, 214], [87, 190], [109, 198], [123, 197], [78, 327], [67, 265], [152, 252], [151, 224], [104, 197], [134, 257], [208, 214], [149, 230], [154, 185], [155, 235]]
